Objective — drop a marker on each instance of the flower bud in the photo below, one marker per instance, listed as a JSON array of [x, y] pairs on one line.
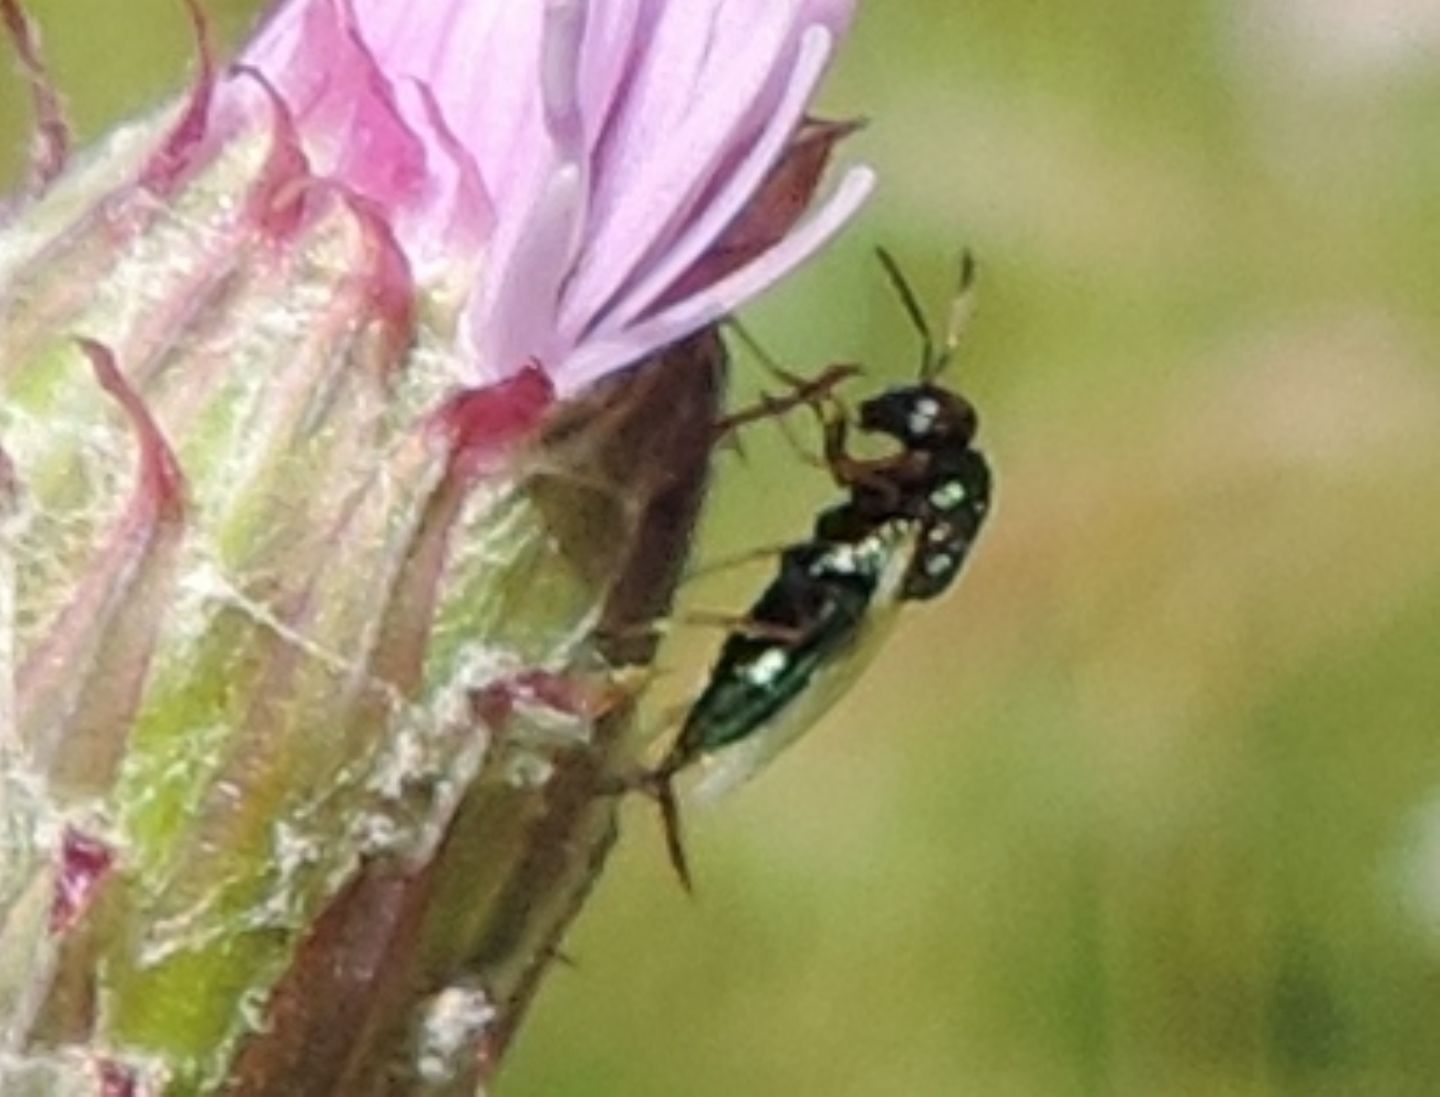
[[355, 413]]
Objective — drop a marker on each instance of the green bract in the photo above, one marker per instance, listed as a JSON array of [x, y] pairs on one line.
[[309, 708]]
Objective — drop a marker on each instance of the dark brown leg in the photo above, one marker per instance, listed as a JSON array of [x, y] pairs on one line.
[[804, 391]]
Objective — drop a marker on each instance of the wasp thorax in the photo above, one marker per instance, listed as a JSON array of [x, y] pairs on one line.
[[920, 416]]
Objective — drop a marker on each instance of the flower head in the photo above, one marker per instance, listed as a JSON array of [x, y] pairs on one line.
[[585, 157], [325, 485]]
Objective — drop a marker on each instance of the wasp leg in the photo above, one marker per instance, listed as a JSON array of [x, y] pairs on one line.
[[728, 622], [852, 472], [659, 785], [744, 626], [804, 392], [885, 476], [740, 559]]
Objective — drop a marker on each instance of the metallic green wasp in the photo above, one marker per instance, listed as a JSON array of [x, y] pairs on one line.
[[901, 534]]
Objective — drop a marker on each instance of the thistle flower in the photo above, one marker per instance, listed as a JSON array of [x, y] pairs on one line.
[[354, 414]]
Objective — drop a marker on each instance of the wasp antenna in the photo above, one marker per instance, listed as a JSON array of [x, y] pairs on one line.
[[912, 307], [962, 308]]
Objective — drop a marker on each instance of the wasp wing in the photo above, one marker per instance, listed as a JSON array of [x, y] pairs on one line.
[[764, 695]]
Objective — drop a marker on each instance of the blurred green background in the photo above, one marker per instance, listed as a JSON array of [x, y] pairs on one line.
[[1151, 803]]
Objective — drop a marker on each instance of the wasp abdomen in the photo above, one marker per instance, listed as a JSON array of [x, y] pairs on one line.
[[755, 675]]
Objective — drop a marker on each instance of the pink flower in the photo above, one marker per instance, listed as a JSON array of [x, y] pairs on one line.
[[319, 542], [580, 158]]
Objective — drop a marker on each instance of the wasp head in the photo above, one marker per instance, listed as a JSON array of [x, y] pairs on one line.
[[923, 416]]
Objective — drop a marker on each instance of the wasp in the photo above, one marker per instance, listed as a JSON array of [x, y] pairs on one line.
[[901, 534]]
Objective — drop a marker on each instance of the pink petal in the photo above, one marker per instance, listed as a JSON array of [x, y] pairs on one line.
[[513, 319], [480, 59], [724, 207], [454, 215], [594, 151], [597, 357], [692, 100], [343, 103], [834, 15]]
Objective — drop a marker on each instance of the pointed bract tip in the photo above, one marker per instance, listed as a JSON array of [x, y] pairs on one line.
[[50, 147], [485, 424], [186, 136], [85, 862], [162, 479]]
